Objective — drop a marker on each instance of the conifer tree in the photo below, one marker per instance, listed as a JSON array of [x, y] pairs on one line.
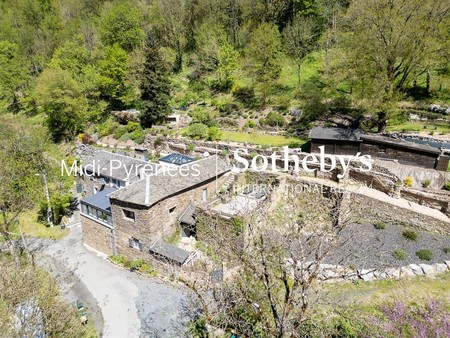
[[155, 86]]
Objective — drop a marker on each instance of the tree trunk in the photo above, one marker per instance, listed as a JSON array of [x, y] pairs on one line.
[[298, 75], [382, 122], [428, 81]]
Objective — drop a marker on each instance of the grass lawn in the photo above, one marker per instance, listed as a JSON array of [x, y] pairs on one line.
[[429, 127], [417, 290], [32, 228], [262, 139]]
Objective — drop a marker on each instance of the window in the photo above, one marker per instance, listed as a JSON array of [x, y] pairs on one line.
[[128, 214], [204, 194], [134, 243], [171, 210], [100, 215]]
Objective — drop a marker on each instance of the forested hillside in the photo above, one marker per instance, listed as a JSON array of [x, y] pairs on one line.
[[72, 62]]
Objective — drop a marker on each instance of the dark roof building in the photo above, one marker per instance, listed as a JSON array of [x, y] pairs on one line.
[[171, 253], [153, 189], [343, 141]]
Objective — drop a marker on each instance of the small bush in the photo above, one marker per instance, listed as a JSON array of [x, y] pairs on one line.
[[120, 131], [148, 270], [274, 119], [426, 183], [426, 255], [138, 136], [190, 147], [214, 134], [136, 264], [408, 181], [250, 124], [446, 250], [197, 131], [133, 126], [245, 95], [158, 142], [379, 225], [410, 234], [401, 255]]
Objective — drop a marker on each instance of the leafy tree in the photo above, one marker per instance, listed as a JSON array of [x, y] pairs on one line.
[[13, 74], [112, 81], [197, 131], [300, 36], [384, 46], [228, 63], [61, 99], [263, 57], [168, 18], [155, 86], [122, 25], [22, 149], [209, 37]]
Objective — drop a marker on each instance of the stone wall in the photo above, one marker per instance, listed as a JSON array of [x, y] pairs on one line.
[[365, 207], [156, 222], [97, 236]]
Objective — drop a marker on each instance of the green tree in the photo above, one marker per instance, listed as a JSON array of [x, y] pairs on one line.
[[300, 37], [122, 25], [168, 17], [384, 45], [62, 101], [209, 37], [113, 83], [155, 86], [22, 149], [228, 63], [263, 57]]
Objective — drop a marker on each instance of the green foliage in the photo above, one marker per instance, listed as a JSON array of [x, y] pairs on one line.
[[155, 87], [121, 25], [426, 183], [214, 134], [197, 131], [246, 95], [424, 254], [238, 224], [274, 119], [447, 185], [138, 136], [120, 131], [263, 53], [133, 126], [410, 234], [201, 115], [228, 63], [401, 255], [379, 225], [250, 124]]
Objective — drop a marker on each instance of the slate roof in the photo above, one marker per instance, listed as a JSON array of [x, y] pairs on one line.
[[108, 162], [341, 134], [176, 158], [170, 251], [100, 200], [165, 184], [401, 144]]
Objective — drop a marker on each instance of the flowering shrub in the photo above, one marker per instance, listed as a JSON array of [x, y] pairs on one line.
[[399, 320]]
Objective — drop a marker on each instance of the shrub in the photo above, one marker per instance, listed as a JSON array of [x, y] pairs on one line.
[[214, 134], [136, 264], [245, 95], [190, 147], [238, 225], [410, 234], [426, 183], [148, 270], [133, 126], [446, 250], [408, 181], [426, 255], [447, 185], [250, 124], [379, 225], [158, 141], [197, 131], [138, 136], [401, 255], [120, 131], [274, 119], [200, 115]]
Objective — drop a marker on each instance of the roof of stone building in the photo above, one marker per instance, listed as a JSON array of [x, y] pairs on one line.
[[155, 188], [176, 158], [170, 252], [117, 166], [100, 200], [341, 134], [401, 143]]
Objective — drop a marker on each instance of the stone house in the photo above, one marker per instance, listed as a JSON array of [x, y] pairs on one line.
[[134, 219], [342, 141]]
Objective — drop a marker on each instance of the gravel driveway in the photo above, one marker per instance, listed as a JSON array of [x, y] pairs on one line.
[[131, 305]]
